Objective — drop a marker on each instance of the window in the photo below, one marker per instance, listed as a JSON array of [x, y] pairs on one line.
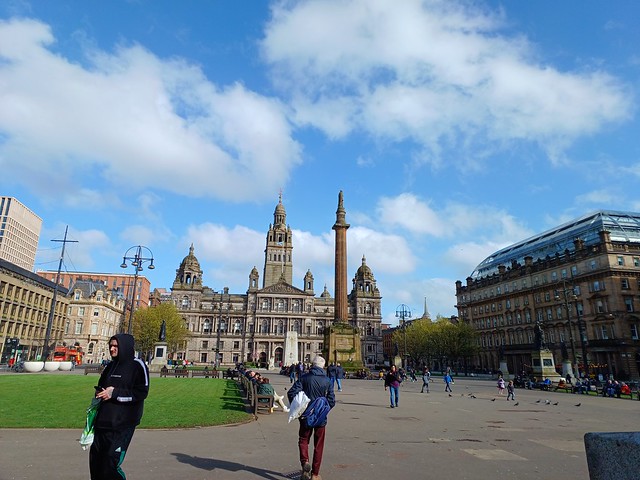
[[547, 297], [236, 345], [605, 334], [549, 314], [99, 296], [237, 327], [77, 295], [624, 283], [634, 331], [96, 312], [574, 271], [563, 273], [90, 348], [205, 344], [206, 326], [620, 260], [236, 358], [636, 261], [554, 276], [559, 313], [81, 311], [599, 306], [78, 327], [94, 328], [628, 302], [67, 326], [593, 265], [508, 303], [203, 357]]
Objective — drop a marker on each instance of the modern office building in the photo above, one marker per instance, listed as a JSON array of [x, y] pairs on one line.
[[579, 281], [227, 328], [25, 307], [19, 233]]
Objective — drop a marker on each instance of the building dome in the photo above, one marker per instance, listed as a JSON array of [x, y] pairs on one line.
[[364, 272], [190, 262]]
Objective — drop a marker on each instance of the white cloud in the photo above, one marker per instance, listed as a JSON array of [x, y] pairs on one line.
[[438, 73], [83, 251], [131, 115], [601, 198]]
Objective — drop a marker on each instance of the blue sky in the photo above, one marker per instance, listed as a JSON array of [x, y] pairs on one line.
[[453, 128]]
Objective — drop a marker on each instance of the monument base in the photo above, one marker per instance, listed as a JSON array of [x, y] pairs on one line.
[[342, 345], [543, 365], [567, 369], [504, 369], [159, 358]]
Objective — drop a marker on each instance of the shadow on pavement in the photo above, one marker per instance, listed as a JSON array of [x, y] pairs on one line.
[[214, 464]]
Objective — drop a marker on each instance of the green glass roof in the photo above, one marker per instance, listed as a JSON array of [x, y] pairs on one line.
[[623, 227]]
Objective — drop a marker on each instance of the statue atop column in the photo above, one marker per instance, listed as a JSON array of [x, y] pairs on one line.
[[162, 337], [539, 336]]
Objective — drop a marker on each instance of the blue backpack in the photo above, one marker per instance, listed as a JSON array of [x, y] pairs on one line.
[[317, 411]]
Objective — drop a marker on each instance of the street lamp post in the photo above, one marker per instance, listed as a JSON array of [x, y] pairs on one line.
[[584, 341], [137, 260], [572, 344], [403, 313]]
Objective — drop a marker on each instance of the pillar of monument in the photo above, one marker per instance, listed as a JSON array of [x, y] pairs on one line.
[[341, 226]]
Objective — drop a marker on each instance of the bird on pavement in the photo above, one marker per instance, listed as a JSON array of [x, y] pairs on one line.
[[493, 399], [450, 395], [547, 402], [538, 401], [556, 403], [473, 396], [516, 404], [577, 405]]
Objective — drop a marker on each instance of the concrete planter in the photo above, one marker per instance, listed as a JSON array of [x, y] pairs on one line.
[[33, 367], [65, 366], [51, 366]]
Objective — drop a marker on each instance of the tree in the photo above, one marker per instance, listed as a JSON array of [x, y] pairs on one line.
[[146, 327]]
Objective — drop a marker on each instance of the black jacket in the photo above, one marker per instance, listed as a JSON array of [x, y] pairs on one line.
[[130, 377], [315, 384]]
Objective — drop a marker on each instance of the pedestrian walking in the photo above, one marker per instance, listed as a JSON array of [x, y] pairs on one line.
[[339, 376], [392, 381], [123, 387], [447, 382], [314, 384], [426, 378], [511, 391]]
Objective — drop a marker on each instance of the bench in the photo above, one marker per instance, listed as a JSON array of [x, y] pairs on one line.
[[229, 374], [181, 372], [205, 373], [94, 369], [262, 403]]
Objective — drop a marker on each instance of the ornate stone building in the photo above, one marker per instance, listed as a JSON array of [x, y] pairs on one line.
[[94, 315], [580, 281], [236, 327]]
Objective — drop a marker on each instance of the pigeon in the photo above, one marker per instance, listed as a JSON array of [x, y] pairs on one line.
[[577, 405], [493, 399], [473, 396], [516, 404], [450, 395], [556, 403], [547, 402], [538, 401]]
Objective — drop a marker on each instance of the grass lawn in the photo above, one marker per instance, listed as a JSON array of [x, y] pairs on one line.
[[31, 400]]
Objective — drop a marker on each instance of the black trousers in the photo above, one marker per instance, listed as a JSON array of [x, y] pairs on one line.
[[107, 453]]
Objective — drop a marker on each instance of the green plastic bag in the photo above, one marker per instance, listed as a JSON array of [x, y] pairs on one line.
[[86, 439]]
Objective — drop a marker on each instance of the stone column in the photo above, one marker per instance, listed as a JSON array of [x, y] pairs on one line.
[[341, 226]]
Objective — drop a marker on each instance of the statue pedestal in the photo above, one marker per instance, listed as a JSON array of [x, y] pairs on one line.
[[567, 369], [504, 369], [159, 358], [543, 365]]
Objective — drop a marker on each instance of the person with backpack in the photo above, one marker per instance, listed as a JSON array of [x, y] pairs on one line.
[[316, 385]]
